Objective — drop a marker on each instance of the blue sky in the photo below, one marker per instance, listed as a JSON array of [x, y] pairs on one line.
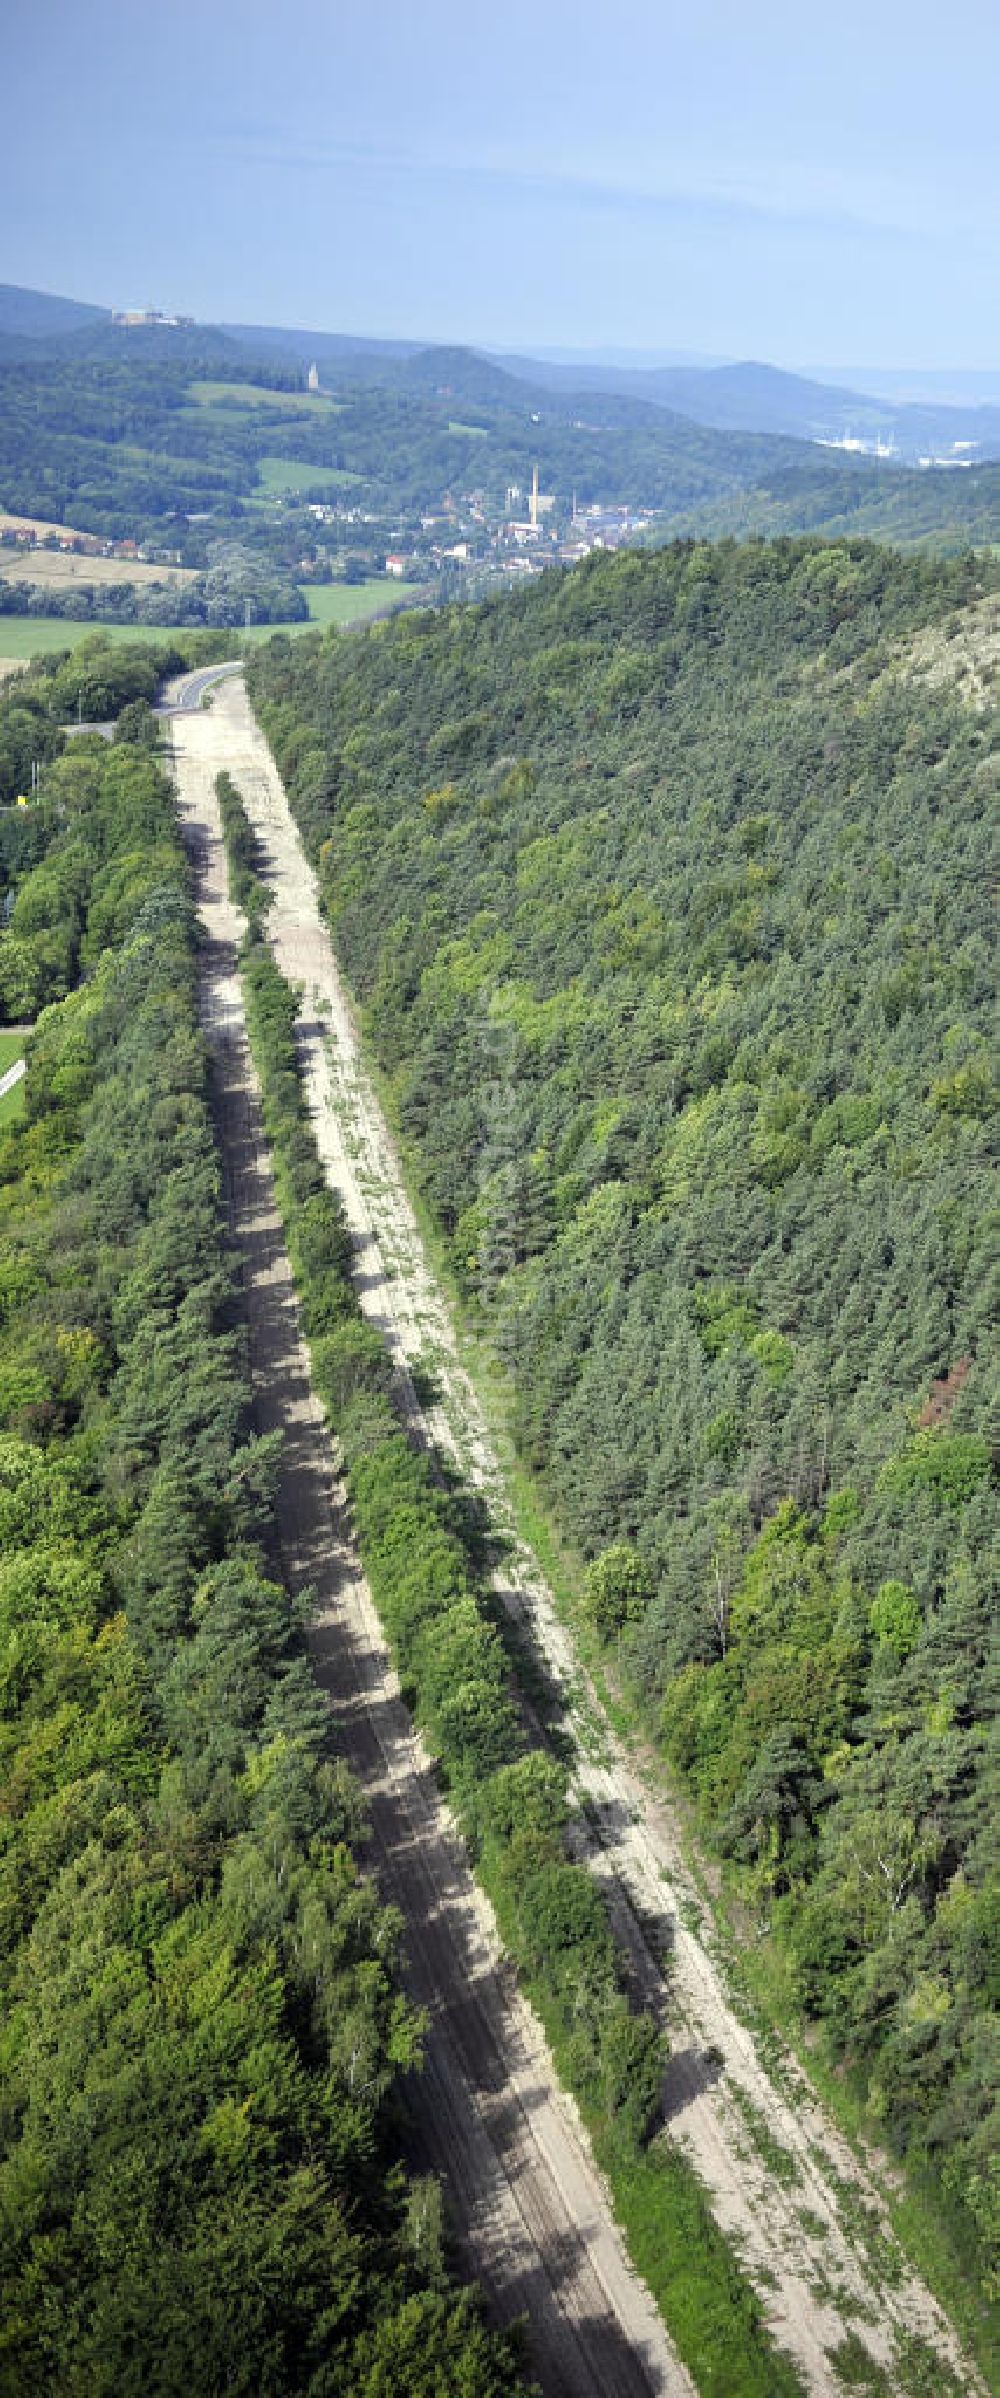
[[751, 179]]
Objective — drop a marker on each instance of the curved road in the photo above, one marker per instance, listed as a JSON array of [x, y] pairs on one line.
[[185, 692]]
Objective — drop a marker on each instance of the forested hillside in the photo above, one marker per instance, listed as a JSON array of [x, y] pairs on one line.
[[200, 2186], [937, 508], [127, 429], [664, 888]]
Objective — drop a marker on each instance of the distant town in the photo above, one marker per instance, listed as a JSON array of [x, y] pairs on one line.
[[463, 537]]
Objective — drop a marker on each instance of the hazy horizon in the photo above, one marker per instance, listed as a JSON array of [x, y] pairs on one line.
[[733, 189], [961, 387]]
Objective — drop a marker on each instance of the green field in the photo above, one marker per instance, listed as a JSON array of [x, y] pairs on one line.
[[280, 475], [346, 603], [36, 636], [11, 1102], [328, 603], [251, 395], [474, 432]]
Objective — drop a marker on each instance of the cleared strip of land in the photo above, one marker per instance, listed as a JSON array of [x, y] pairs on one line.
[[527, 2202], [808, 2218]]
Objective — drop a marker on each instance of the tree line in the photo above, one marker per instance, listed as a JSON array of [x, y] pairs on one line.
[[204, 2033]]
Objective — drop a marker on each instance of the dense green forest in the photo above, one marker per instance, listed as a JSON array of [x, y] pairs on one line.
[[95, 682], [939, 508], [97, 436], [203, 2034], [664, 888]]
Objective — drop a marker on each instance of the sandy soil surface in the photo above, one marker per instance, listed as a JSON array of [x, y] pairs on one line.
[[525, 2197], [805, 2215]]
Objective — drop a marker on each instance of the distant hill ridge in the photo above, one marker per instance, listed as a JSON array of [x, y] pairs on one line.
[[415, 422], [39, 315], [749, 396]]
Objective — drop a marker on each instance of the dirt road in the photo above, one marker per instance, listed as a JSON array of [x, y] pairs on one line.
[[808, 2220], [524, 2193]]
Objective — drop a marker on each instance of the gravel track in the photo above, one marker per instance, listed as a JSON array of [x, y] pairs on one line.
[[814, 2235], [525, 2197]]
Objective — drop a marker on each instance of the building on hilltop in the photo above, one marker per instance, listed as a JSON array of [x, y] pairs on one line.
[[130, 317]]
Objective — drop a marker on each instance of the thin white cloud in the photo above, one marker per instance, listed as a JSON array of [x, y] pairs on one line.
[[782, 191]]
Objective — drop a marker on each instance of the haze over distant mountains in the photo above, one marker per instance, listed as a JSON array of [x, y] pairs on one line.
[[958, 387], [408, 429], [751, 396], [944, 417]]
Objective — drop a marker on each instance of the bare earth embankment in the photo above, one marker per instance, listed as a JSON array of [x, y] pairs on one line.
[[813, 2233], [525, 2196]]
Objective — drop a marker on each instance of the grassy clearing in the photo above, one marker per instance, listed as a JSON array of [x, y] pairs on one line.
[[23, 637], [11, 1048], [253, 396], [346, 603], [38, 636], [11, 1102], [473, 432], [277, 476]]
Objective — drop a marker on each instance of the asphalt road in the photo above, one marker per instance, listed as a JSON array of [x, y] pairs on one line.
[[185, 692], [181, 696]]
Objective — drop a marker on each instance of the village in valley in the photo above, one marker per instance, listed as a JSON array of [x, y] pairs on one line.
[[462, 538]]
